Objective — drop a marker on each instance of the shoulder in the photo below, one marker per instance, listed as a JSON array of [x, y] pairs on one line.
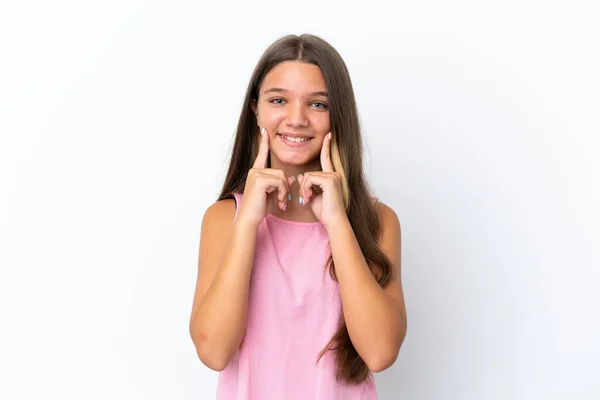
[[388, 218], [219, 214]]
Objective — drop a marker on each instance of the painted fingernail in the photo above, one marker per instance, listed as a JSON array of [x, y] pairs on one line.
[[289, 196], [300, 200], [284, 206], [299, 176]]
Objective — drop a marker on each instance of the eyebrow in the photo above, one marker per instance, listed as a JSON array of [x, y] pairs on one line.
[[281, 90]]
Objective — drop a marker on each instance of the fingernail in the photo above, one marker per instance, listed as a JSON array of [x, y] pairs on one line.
[[299, 176], [300, 200], [329, 134], [284, 206], [262, 131], [290, 196]]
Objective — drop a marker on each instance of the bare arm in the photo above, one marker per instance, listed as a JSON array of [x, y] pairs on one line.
[[220, 309], [375, 317], [219, 313]]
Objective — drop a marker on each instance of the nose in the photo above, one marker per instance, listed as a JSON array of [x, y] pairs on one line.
[[297, 115]]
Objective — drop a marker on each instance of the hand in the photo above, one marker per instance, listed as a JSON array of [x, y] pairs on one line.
[[261, 184], [328, 205]]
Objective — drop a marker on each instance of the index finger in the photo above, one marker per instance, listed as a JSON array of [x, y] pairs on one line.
[[326, 164], [263, 150]]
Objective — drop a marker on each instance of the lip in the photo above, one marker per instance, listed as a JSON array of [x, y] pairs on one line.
[[294, 144], [289, 134]]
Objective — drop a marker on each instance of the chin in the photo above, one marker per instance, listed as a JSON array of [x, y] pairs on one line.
[[294, 158]]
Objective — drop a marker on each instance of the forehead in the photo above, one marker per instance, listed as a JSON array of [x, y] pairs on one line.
[[296, 77]]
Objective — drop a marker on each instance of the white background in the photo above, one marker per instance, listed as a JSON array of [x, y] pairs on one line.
[[482, 124]]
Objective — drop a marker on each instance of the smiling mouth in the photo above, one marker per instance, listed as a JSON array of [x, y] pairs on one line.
[[293, 139]]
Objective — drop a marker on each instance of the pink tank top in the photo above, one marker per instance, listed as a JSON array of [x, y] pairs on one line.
[[293, 311]]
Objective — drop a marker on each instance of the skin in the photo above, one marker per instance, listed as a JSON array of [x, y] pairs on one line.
[[375, 317], [302, 107]]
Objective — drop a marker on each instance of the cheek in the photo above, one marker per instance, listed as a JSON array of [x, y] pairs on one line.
[[270, 117], [321, 123]]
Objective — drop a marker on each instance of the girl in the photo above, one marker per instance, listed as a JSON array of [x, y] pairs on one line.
[[299, 291]]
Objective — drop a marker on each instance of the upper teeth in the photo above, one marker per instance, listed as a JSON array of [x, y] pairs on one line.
[[294, 139]]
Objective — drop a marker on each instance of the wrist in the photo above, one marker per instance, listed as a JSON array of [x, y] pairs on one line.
[[241, 225], [335, 224]]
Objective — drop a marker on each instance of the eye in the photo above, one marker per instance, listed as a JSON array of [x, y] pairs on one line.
[[276, 101], [320, 105]]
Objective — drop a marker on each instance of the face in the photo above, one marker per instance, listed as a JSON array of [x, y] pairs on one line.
[[293, 106]]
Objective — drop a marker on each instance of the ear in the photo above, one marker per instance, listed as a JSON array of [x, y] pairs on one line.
[[254, 107]]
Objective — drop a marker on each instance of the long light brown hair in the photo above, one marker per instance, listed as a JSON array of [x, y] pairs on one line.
[[346, 153]]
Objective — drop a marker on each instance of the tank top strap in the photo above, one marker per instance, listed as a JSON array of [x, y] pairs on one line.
[[238, 202]]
